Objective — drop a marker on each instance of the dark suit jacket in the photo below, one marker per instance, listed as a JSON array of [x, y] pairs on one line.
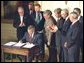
[[72, 37], [37, 38], [26, 19], [40, 25], [66, 26], [32, 14], [81, 19], [81, 28], [16, 20], [60, 23], [65, 29], [21, 30], [58, 39], [81, 31]]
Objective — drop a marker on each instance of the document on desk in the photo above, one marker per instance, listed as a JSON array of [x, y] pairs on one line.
[[19, 44], [29, 45], [10, 43]]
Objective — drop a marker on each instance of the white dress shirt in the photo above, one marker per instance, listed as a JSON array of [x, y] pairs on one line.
[[21, 19]]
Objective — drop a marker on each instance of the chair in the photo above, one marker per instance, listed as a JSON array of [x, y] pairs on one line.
[[38, 55]]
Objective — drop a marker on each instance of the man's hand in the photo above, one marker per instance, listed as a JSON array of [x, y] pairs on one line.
[[48, 43], [47, 27], [20, 41], [21, 25], [65, 44], [53, 28]]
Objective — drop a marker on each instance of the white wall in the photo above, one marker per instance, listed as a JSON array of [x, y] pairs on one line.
[[52, 5]]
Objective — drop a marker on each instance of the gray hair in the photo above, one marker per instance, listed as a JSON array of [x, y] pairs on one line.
[[66, 11], [48, 12], [75, 15], [31, 27], [20, 8]]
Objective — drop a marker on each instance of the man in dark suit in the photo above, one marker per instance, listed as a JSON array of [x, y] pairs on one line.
[[60, 22], [65, 28], [32, 36], [21, 22], [67, 21], [72, 39], [38, 16], [80, 18], [30, 11], [39, 22]]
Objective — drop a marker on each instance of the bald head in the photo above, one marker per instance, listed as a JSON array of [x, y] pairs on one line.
[[21, 11]]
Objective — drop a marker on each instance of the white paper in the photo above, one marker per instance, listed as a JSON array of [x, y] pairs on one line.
[[19, 44], [10, 43], [29, 45]]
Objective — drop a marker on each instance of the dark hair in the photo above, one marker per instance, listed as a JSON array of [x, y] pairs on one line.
[[30, 3], [78, 10], [58, 10], [47, 12], [37, 5]]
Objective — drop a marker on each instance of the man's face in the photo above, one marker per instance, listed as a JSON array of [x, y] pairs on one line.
[[57, 14], [30, 6], [46, 16], [30, 31], [71, 17], [63, 14], [20, 11], [37, 8]]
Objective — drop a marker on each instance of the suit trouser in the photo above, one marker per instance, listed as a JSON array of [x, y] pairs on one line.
[[58, 44], [42, 51], [63, 49], [52, 50], [64, 54], [81, 48], [73, 54]]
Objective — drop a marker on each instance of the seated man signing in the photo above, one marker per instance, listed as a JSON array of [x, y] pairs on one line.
[[32, 37]]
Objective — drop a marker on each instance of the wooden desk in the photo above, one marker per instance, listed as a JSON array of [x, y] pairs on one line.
[[16, 50]]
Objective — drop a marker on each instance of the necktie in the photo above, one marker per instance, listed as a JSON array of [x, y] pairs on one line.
[[30, 38], [38, 18]]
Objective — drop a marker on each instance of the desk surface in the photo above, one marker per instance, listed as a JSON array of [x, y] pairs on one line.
[[16, 50]]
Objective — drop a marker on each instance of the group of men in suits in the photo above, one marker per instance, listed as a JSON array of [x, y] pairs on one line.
[[23, 20], [70, 36], [62, 35]]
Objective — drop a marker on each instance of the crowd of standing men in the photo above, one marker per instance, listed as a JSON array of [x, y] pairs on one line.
[[62, 35]]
